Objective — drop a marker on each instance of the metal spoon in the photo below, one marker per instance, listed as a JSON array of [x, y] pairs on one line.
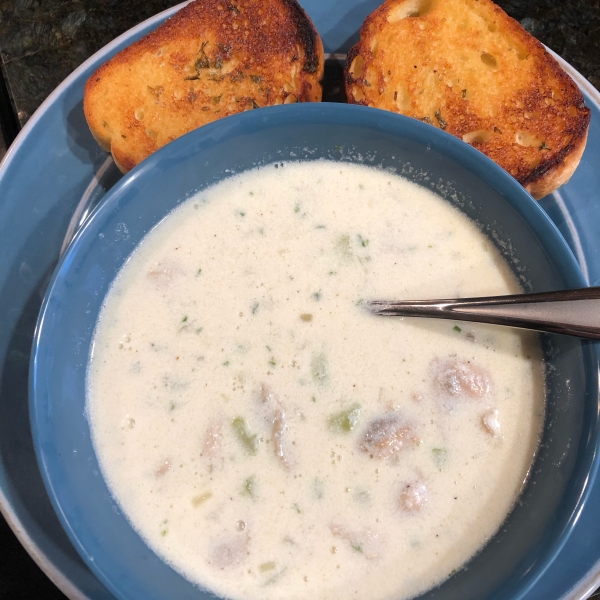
[[572, 312]]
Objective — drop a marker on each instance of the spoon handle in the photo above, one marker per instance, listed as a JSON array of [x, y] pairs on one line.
[[572, 312]]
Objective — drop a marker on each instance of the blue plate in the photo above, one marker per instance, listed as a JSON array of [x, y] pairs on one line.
[[54, 163]]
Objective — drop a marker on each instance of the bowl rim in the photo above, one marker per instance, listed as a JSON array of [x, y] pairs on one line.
[[343, 115]]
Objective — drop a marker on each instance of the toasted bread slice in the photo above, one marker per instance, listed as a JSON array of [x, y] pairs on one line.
[[467, 67], [212, 59]]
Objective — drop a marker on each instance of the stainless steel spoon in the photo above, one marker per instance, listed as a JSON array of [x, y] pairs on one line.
[[572, 312]]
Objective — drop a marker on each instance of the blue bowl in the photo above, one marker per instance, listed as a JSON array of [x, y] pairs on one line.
[[567, 460]]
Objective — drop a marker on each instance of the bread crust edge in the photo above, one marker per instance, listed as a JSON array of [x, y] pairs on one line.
[[561, 171], [542, 180]]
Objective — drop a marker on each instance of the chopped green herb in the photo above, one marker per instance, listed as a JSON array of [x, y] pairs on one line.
[[297, 508], [156, 91], [313, 399], [359, 302], [318, 368], [164, 530], [357, 547], [268, 348], [256, 79], [441, 121], [464, 93], [317, 296], [240, 213], [226, 363], [439, 456], [254, 308], [297, 208], [272, 362], [238, 75], [344, 421], [497, 130], [318, 488], [249, 487], [543, 146], [217, 99], [332, 273], [338, 148], [198, 272], [199, 329], [426, 119], [362, 241], [361, 186], [457, 328], [184, 319], [344, 246], [320, 226], [241, 430], [202, 62]]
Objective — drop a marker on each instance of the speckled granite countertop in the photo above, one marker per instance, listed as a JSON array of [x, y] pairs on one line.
[[42, 41]]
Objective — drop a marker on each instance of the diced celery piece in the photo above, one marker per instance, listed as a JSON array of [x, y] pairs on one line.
[[243, 435], [318, 368], [345, 421], [249, 488]]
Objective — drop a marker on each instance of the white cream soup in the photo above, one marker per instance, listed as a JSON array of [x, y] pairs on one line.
[[265, 434]]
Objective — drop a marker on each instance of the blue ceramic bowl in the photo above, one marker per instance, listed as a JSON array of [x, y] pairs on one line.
[[567, 460]]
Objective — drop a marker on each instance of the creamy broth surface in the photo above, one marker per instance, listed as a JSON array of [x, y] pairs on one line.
[[271, 439]]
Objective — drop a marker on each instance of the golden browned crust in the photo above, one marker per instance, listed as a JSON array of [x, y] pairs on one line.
[[467, 67], [214, 58]]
